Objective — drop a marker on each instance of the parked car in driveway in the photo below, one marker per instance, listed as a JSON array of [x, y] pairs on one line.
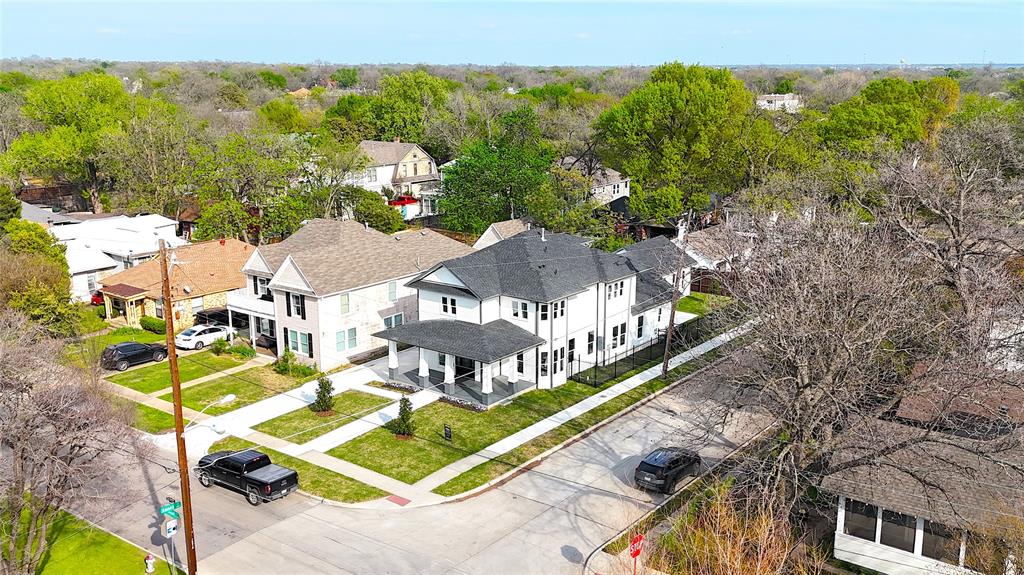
[[121, 356], [199, 336], [662, 468], [96, 298], [248, 471]]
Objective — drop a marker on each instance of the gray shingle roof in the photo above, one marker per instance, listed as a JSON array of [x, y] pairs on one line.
[[337, 255], [651, 291], [43, 216], [951, 483], [658, 253], [527, 267], [385, 153], [716, 242], [488, 343]]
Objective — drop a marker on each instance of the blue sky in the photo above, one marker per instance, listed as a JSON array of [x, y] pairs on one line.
[[567, 32]]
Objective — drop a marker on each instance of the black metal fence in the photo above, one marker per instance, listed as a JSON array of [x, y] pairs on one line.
[[638, 358]]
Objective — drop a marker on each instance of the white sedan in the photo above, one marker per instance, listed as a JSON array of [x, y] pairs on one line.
[[198, 336]]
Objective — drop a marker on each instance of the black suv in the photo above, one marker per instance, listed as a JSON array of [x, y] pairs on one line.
[[662, 469], [120, 356]]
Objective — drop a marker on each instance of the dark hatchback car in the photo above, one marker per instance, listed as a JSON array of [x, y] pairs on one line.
[[662, 469], [121, 356]]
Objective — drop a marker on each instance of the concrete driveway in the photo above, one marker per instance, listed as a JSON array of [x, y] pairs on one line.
[[546, 520]]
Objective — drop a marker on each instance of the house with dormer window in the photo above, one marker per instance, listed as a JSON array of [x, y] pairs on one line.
[[404, 168], [325, 290], [519, 314]]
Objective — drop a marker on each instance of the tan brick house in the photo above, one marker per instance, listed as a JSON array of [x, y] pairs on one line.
[[201, 275]]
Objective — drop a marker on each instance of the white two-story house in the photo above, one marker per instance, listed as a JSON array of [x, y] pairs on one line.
[[526, 312], [407, 169], [326, 289]]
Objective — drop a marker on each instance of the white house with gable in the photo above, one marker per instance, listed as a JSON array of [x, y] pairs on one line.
[[524, 313]]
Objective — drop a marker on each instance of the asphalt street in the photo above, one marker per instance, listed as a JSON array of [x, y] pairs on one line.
[[545, 520]]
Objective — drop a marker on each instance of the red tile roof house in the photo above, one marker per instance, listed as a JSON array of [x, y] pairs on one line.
[[201, 275]]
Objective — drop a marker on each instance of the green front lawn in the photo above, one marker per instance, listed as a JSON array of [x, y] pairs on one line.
[[79, 547], [485, 472], [304, 424], [152, 420], [158, 376], [701, 303], [313, 479], [250, 386], [413, 459], [88, 351], [89, 320]]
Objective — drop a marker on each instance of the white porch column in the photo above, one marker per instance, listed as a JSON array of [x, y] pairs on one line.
[[449, 373], [513, 372], [841, 516], [392, 359], [486, 384], [424, 369]]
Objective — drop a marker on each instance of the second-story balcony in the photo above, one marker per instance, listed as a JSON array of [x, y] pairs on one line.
[[243, 300]]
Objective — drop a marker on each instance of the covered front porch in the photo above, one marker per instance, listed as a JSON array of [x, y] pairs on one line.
[[124, 304], [479, 364]]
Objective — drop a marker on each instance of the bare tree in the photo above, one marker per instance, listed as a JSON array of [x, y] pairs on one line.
[[56, 431], [725, 532], [852, 325]]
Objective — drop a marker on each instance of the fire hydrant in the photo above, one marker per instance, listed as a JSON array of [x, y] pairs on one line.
[[150, 563]]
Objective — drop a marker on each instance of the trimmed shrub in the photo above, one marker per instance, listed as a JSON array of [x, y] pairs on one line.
[[219, 347], [403, 424], [242, 351], [324, 395], [153, 324], [101, 311], [288, 364]]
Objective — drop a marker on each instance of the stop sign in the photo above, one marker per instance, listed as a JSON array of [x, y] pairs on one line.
[[636, 546]]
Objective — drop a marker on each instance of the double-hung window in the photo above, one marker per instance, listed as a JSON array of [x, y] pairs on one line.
[[559, 364], [543, 312], [393, 320], [640, 327], [293, 340], [520, 363], [448, 305], [297, 305], [543, 363], [572, 350], [622, 334], [345, 306], [159, 308], [558, 309], [590, 343], [520, 309], [345, 339], [197, 305], [615, 336], [392, 291]]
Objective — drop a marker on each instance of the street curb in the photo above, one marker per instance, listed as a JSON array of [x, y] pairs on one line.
[[513, 473]]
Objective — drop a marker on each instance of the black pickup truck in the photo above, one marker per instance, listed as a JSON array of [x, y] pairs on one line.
[[248, 471]]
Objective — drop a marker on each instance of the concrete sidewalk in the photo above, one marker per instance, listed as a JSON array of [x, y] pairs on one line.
[[545, 425]]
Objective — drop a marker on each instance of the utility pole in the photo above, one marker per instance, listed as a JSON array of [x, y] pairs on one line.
[[675, 296], [179, 424]]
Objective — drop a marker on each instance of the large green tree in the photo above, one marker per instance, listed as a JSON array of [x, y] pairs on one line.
[[370, 208], [239, 178], [75, 111], [892, 110], [491, 179], [401, 107], [562, 203], [148, 160], [36, 280], [677, 137]]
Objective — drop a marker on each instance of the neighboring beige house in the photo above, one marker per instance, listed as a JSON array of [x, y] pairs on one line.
[[405, 168], [606, 184], [500, 231], [323, 291], [201, 275]]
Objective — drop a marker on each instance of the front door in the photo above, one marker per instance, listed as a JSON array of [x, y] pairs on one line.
[[464, 366]]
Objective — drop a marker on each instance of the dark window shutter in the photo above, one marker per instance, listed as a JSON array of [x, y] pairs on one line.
[[284, 330], [288, 303], [255, 285], [302, 308], [309, 341]]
